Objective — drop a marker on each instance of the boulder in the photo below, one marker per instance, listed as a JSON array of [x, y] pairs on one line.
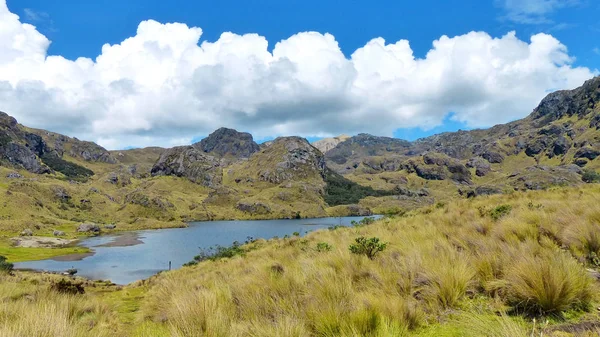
[[587, 152], [60, 193], [110, 226], [13, 175], [26, 232], [492, 156], [483, 190], [88, 228], [253, 207], [58, 233]]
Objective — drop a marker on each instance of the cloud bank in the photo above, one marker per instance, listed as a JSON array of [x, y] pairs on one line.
[[165, 85]]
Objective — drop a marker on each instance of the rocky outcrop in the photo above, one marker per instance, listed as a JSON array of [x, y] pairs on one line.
[[587, 152], [189, 162], [89, 151], [482, 167], [436, 166], [566, 103], [543, 177], [88, 228], [225, 142], [254, 208], [289, 158]]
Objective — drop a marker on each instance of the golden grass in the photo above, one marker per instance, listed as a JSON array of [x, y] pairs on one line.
[[450, 270]]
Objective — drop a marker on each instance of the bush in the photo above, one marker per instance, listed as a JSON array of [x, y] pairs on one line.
[[369, 247], [590, 176], [323, 247], [549, 284], [5, 267], [218, 252], [71, 170], [500, 211], [67, 287], [363, 222]]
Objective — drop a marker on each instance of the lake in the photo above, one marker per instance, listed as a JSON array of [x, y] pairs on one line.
[[130, 256]]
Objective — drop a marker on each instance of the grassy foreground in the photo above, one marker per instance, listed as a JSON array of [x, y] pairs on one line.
[[510, 265]]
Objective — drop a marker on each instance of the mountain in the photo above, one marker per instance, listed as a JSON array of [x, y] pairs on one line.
[[50, 181], [549, 147]]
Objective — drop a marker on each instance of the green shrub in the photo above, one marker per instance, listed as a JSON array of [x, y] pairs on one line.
[[218, 252], [369, 247], [500, 211], [590, 176], [323, 247], [65, 286], [548, 284], [70, 170], [363, 222], [5, 267]]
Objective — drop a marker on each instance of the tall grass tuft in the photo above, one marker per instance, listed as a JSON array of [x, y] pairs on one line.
[[547, 284]]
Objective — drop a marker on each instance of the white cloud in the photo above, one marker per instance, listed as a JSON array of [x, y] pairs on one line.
[[533, 11], [160, 87]]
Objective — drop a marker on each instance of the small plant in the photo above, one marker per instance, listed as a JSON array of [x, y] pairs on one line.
[[369, 247], [218, 252], [332, 228], [296, 234], [5, 267], [590, 176], [362, 222], [323, 247], [533, 206], [67, 287], [500, 211]]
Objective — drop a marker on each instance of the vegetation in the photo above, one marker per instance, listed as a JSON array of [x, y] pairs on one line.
[[218, 252], [5, 267], [65, 286], [69, 169], [368, 247], [445, 271], [590, 176], [323, 247]]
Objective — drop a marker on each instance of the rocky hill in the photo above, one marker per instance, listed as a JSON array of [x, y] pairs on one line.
[[553, 146]]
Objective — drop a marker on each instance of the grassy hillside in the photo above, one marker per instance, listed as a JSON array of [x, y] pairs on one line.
[[520, 264]]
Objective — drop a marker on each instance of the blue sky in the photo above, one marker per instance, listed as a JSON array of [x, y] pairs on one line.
[[80, 29]]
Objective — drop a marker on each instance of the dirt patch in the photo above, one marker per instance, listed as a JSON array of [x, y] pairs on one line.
[[124, 240], [40, 242]]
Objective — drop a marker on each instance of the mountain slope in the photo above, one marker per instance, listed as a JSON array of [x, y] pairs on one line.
[[547, 148]]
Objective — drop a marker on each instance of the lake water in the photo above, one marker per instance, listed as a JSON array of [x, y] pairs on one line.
[[153, 249]]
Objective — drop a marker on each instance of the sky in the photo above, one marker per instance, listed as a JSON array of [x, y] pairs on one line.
[[163, 73]]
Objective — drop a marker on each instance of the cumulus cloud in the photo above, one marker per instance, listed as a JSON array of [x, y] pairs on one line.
[[165, 86]]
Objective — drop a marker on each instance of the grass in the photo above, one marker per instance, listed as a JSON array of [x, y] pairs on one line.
[[19, 254], [446, 271]]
